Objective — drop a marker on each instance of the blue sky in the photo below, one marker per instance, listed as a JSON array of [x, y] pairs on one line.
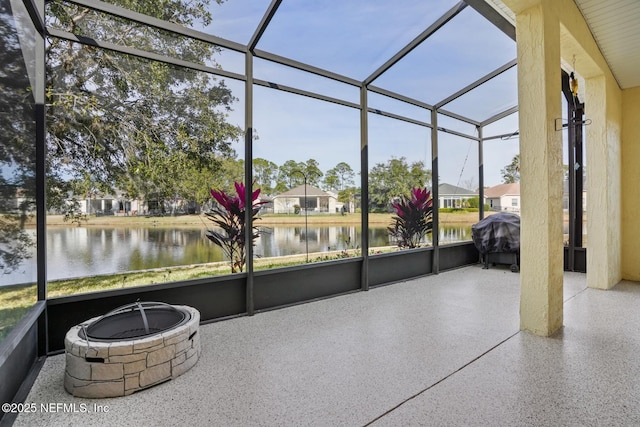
[[354, 38]]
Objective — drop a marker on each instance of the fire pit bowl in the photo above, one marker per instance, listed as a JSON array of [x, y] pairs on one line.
[[131, 348]]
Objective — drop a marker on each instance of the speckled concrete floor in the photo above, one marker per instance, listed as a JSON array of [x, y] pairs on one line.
[[440, 350]]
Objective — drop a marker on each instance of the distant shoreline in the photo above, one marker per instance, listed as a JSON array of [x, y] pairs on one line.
[[268, 219]]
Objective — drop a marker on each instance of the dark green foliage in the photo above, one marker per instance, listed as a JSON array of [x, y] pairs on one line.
[[511, 172], [147, 128], [393, 180]]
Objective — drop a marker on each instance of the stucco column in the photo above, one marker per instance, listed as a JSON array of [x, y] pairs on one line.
[[539, 92], [604, 206], [630, 155]]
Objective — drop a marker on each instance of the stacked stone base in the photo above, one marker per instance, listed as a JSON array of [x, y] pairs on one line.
[[119, 368]]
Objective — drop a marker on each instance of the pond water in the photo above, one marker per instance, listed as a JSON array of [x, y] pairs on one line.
[[88, 251]]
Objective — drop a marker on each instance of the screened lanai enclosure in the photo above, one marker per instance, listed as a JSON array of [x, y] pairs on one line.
[[135, 111]]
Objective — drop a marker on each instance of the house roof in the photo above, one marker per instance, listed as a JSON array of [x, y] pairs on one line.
[[445, 189], [503, 190], [299, 192]]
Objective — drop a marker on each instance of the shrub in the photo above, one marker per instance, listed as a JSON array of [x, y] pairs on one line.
[[230, 216], [413, 220]]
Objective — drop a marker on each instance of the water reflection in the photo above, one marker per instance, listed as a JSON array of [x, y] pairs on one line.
[[89, 251], [79, 251], [449, 234], [283, 241]]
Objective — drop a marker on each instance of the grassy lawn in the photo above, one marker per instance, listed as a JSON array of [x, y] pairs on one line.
[[15, 302]]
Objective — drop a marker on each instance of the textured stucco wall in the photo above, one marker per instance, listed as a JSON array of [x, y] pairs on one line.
[[546, 31], [631, 184], [603, 105], [538, 34]]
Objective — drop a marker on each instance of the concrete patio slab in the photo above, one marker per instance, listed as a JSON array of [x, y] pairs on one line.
[[438, 350]]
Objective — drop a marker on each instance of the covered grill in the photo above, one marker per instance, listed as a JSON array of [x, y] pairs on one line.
[[497, 238]]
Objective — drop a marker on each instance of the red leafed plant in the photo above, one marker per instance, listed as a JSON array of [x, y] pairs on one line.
[[229, 215], [413, 220]]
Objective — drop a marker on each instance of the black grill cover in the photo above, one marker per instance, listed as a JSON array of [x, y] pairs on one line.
[[497, 233]]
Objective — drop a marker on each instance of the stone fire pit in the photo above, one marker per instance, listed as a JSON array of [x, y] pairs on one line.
[[131, 348]]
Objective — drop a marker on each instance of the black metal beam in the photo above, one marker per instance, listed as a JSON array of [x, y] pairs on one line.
[[499, 116], [434, 193], [364, 185], [460, 134], [502, 136], [264, 23], [305, 93], [304, 67], [143, 54], [121, 12], [458, 117], [398, 117], [41, 176], [477, 83], [575, 114], [450, 14], [494, 17], [578, 170], [480, 174], [36, 15], [40, 142], [248, 181], [399, 97], [566, 91]]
